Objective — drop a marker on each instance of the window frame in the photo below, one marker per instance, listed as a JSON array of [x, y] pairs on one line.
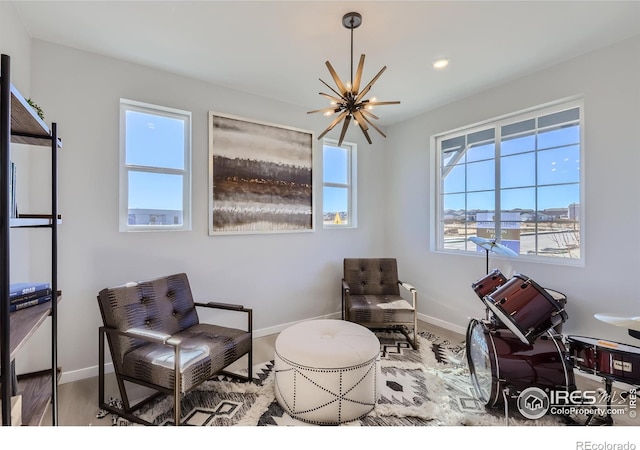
[[125, 169], [350, 185], [437, 237]]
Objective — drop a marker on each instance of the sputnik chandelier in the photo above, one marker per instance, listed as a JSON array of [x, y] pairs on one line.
[[348, 101]]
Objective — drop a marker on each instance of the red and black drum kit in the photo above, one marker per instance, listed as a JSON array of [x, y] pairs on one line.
[[520, 345]]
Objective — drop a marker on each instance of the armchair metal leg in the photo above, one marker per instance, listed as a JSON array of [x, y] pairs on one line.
[[176, 387], [102, 403]]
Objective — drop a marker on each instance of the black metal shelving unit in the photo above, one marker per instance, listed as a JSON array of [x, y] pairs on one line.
[[20, 124]]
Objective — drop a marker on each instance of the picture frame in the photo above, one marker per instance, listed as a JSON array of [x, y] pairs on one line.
[[260, 177]]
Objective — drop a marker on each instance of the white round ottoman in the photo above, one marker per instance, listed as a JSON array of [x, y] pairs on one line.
[[327, 371]]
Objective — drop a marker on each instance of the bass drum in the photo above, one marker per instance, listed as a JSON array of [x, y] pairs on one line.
[[499, 360]]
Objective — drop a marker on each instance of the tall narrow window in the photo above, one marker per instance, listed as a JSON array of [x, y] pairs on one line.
[[516, 180], [155, 167], [339, 186]]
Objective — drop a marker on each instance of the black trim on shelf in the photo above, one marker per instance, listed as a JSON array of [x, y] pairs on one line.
[[20, 124], [5, 163]]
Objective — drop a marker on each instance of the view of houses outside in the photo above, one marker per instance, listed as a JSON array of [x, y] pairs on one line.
[[154, 216], [554, 232]]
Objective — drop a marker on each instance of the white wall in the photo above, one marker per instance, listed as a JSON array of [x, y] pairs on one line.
[[16, 42], [609, 80], [284, 277]]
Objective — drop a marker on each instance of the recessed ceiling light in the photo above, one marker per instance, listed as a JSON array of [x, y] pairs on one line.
[[440, 63]]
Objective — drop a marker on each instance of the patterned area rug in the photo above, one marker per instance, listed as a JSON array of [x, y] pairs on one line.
[[426, 387]]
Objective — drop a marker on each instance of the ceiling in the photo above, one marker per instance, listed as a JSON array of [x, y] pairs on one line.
[[278, 49]]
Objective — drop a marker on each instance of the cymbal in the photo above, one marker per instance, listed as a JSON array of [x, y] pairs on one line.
[[492, 246], [632, 323]]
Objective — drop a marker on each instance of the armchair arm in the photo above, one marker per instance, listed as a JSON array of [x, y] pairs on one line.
[[145, 335], [407, 286], [231, 307], [345, 286], [149, 335], [219, 305], [412, 290]]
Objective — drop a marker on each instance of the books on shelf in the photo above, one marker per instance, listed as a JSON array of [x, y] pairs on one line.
[[27, 303], [24, 295], [30, 296], [17, 290]]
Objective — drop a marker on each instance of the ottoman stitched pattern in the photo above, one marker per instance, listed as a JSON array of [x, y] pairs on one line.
[[314, 381]]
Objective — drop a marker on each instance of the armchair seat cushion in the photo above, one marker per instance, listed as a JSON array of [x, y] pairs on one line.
[[379, 309], [154, 363]]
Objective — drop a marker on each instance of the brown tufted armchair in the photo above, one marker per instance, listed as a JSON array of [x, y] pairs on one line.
[[156, 340], [371, 296]]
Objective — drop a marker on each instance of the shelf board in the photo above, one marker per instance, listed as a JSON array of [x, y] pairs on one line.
[[24, 323], [32, 220], [26, 126], [35, 389]]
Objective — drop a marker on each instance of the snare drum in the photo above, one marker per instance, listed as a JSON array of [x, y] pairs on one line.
[[499, 360], [525, 308], [489, 283], [612, 360]]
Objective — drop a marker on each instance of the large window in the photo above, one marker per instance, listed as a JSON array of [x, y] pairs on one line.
[[339, 185], [516, 180], [155, 167]]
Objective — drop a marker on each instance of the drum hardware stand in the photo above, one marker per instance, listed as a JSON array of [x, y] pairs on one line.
[[606, 420], [505, 400]]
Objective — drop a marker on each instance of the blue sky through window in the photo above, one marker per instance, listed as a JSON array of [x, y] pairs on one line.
[[157, 141], [335, 170], [554, 169]]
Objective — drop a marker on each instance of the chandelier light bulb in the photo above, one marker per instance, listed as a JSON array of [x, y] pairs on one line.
[[440, 63]]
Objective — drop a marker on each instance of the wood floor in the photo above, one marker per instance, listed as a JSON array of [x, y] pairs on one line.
[[77, 401]]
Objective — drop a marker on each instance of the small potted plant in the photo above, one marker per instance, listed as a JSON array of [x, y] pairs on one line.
[[37, 109]]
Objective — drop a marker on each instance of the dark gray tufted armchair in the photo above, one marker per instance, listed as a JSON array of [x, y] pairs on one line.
[[156, 340], [371, 296]]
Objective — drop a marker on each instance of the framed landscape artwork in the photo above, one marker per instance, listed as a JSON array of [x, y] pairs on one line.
[[259, 177]]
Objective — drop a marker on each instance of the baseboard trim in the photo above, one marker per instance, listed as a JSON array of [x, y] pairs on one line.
[[278, 328], [442, 324]]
